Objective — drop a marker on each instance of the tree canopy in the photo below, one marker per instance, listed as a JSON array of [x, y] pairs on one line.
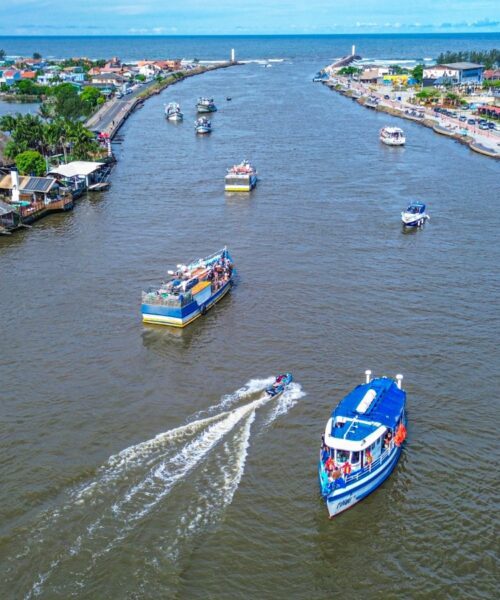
[[31, 162], [488, 58]]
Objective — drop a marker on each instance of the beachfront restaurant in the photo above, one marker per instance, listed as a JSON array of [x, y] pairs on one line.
[[459, 73]]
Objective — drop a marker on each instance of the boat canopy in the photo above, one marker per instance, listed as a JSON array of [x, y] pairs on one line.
[[416, 208], [385, 406]]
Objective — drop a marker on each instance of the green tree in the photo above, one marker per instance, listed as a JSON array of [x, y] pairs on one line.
[[418, 73], [91, 98], [349, 71], [2, 54], [30, 162], [37, 55], [67, 102], [83, 144]]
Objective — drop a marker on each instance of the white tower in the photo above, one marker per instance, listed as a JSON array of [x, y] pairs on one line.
[[232, 55], [353, 50]]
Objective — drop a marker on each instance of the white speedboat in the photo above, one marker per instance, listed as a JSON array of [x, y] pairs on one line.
[[392, 136], [414, 215], [173, 112]]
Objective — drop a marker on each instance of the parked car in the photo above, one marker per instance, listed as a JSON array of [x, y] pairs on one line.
[[471, 122], [491, 125], [387, 97], [463, 118], [483, 126]]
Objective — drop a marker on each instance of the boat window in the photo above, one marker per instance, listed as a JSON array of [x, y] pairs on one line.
[[355, 456], [342, 456]]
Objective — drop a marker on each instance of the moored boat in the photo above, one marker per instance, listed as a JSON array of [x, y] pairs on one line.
[[392, 136], [279, 385], [205, 105], [191, 291], [414, 215], [362, 442], [203, 125], [241, 178], [173, 112]]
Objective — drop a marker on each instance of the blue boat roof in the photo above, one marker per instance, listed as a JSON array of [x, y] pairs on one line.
[[385, 408], [417, 204]]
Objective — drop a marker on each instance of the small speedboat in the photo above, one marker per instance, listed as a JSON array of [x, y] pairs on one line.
[[392, 136], [362, 442], [173, 112], [279, 385], [229, 99], [203, 125], [414, 215], [205, 105]]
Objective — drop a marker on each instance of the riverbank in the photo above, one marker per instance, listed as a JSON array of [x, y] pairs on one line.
[[113, 114], [486, 143]]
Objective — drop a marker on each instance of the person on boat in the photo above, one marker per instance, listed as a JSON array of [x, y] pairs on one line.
[[346, 468], [368, 458], [325, 453], [387, 439], [329, 465]]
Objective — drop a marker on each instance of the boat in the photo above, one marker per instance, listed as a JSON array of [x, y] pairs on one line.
[[228, 99], [203, 125], [279, 385], [392, 136], [190, 291], [173, 112], [414, 215], [205, 105], [241, 178], [362, 442]]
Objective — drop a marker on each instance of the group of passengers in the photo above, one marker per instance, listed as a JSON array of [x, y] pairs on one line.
[[220, 273]]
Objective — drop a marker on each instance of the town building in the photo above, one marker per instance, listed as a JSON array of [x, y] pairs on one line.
[[460, 73]]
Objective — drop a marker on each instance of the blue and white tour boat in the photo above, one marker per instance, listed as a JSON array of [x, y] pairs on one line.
[[279, 385], [362, 442], [414, 215], [205, 105], [203, 125], [191, 291]]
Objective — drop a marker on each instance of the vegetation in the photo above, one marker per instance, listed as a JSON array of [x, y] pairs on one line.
[[30, 132], [31, 162], [397, 70], [140, 77], [2, 54], [489, 58], [418, 73], [349, 71], [428, 94], [491, 84], [27, 87], [37, 55]]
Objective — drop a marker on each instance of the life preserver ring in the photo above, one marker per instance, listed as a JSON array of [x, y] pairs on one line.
[[203, 309], [400, 436], [346, 468]]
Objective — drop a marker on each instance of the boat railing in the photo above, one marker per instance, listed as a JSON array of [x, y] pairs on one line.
[[160, 298], [367, 469]]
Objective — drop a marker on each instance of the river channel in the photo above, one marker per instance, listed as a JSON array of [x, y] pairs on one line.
[[140, 462]]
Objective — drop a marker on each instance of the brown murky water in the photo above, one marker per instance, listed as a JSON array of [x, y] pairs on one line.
[[329, 285]]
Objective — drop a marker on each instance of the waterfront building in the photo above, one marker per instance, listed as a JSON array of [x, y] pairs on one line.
[[79, 170], [9, 218], [460, 73]]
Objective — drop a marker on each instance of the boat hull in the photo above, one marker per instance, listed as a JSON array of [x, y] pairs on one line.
[[415, 222], [205, 109], [180, 317], [389, 142], [246, 186], [175, 117], [203, 130], [355, 491]]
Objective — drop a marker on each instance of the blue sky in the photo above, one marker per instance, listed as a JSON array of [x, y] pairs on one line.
[[233, 17]]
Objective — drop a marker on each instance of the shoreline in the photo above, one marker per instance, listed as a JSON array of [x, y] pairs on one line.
[[156, 88], [473, 140]]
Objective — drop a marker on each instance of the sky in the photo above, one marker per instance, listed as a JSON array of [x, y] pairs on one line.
[[237, 17]]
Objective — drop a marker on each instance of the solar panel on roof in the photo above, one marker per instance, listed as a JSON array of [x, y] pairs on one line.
[[38, 184]]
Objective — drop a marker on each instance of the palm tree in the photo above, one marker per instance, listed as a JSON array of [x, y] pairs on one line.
[[82, 140]]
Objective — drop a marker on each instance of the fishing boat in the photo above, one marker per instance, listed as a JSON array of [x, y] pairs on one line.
[[392, 136], [203, 125], [205, 105], [241, 178], [414, 215], [362, 442], [190, 291], [173, 112], [279, 385]]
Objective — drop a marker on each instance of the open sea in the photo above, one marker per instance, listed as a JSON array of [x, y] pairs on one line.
[[142, 463]]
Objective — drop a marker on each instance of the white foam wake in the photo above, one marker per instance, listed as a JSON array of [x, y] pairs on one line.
[[157, 466]]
